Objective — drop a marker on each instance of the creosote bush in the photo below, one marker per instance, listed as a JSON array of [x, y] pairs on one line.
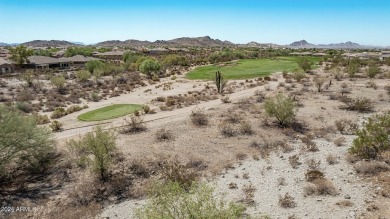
[[287, 201], [170, 200], [361, 104], [164, 135], [23, 145], [135, 125], [282, 108], [373, 138], [199, 118], [96, 149]]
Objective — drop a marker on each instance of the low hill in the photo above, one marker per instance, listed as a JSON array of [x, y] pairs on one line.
[[49, 43]]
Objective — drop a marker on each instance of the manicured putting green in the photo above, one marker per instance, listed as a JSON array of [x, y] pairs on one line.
[[109, 112], [247, 68]]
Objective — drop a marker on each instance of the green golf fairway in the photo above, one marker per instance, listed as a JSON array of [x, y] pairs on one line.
[[247, 68], [109, 112]]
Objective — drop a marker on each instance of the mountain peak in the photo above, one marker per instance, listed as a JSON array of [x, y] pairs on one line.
[[300, 43]]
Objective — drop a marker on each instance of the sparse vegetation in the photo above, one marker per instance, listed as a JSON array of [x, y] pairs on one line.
[[282, 108], [199, 117], [164, 135], [23, 145], [373, 138], [287, 201], [96, 149], [170, 200]]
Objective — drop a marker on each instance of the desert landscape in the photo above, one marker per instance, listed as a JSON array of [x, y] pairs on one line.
[[125, 109], [274, 135]]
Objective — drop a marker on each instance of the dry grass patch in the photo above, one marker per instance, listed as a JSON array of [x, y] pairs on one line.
[[287, 201], [294, 161], [371, 167], [199, 118], [249, 194], [164, 135], [344, 203], [332, 159]]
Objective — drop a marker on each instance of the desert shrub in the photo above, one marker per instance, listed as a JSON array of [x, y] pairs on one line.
[[72, 109], [83, 75], [371, 84], [22, 142], [97, 148], [24, 107], [25, 95], [332, 159], [56, 126], [324, 187], [312, 175], [135, 125], [246, 128], [59, 82], [319, 82], [373, 70], [95, 96], [282, 108], [320, 186], [294, 161], [93, 65], [172, 170], [345, 125], [58, 113], [170, 200], [287, 201], [305, 64], [371, 167], [146, 109], [227, 129], [170, 101], [387, 89], [41, 119], [312, 164], [164, 135], [160, 99], [361, 104], [298, 76], [226, 99], [233, 117], [199, 118], [373, 138]]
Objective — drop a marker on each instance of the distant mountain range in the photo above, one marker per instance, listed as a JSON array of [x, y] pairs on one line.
[[346, 45], [204, 41], [8, 44]]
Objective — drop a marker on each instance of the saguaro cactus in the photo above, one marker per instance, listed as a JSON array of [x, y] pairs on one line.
[[220, 82]]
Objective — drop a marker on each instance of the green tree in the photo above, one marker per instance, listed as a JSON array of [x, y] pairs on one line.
[[171, 200], [305, 64], [171, 60], [22, 142], [282, 108], [150, 66], [353, 67], [373, 70], [97, 149], [19, 54], [92, 65], [85, 51], [59, 82], [83, 75], [373, 138]]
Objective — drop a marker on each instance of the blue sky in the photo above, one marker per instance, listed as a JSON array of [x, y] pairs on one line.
[[240, 21]]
